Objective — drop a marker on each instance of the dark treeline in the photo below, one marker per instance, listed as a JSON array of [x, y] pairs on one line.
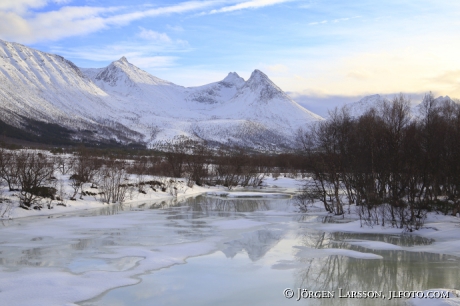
[[394, 165], [35, 133]]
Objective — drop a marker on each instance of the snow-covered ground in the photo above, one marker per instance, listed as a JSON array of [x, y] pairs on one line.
[[67, 259], [288, 186]]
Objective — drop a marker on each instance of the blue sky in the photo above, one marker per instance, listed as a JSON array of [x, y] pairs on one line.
[[320, 51]]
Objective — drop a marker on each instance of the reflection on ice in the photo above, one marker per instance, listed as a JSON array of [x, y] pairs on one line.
[[248, 252], [218, 206], [256, 244], [398, 270]]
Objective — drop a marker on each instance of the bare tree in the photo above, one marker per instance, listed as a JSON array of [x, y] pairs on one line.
[[113, 182], [9, 169], [83, 171], [34, 172], [6, 205]]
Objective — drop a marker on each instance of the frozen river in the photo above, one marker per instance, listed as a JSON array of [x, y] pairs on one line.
[[208, 251]]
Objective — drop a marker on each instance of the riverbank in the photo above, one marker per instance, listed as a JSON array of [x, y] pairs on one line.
[[282, 185]]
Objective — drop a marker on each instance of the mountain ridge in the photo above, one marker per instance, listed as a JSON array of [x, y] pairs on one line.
[[125, 103]]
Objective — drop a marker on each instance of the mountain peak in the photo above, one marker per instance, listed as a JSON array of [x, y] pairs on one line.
[[231, 76], [233, 79], [260, 84], [358, 108], [123, 60], [116, 71], [258, 77], [258, 73]]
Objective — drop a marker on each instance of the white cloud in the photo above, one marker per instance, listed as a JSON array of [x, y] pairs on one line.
[[340, 19], [183, 7], [175, 28], [360, 74], [154, 36], [162, 41], [248, 5], [54, 25], [318, 22], [20, 6], [20, 24], [153, 61], [144, 55]]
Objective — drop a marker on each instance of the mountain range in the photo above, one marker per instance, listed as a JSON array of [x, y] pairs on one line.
[[42, 93]]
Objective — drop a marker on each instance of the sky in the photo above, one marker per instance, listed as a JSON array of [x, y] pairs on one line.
[[322, 52]]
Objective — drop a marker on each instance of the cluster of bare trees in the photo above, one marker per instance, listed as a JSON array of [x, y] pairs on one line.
[[28, 173], [236, 167], [394, 165], [199, 164], [177, 166], [32, 175]]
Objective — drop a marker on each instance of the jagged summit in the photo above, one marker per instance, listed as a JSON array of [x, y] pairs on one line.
[[257, 72], [123, 60], [121, 74], [260, 84], [233, 77], [258, 78]]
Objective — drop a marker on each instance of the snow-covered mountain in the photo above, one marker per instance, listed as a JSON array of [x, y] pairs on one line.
[[356, 109], [126, 103]]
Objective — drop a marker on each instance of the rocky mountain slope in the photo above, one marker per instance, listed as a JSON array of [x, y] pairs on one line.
[[126, 104]]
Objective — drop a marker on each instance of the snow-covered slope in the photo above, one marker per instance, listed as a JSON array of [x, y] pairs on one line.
[[122, 97], [254, 113], [49, 88], [358, 108], [55, 85]]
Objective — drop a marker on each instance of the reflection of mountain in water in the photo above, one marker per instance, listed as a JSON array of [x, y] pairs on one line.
[[209, 204], [256, 244], [202, 206], [399, 270]]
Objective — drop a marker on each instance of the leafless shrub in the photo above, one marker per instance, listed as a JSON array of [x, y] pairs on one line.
[[9, 169], [84, 169], [113, 182], [34, 172], [6, 205]]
